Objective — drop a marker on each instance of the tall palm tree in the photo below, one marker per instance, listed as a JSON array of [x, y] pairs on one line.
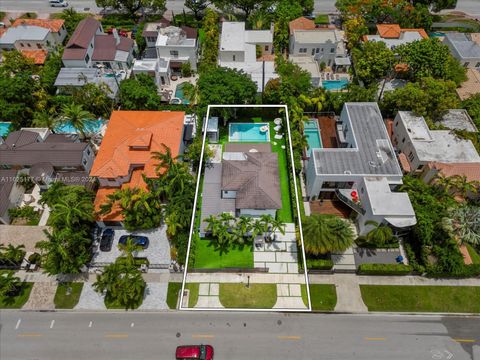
[[244, 225], [165, 159], [213, 224], [129, 251], [71, 214], [9, 284], [326, 233], [45, 120], [258, 228], [14, 254], [227, 219], [277, 225], [76, 116], [464, 224], [380, 235]]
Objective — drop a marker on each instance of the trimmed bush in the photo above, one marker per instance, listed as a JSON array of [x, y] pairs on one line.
[[465, 271], [384, 269], [319, 264]]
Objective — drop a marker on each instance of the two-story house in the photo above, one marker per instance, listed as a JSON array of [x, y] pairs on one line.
[[89, 46], [126, 152], [393, 35], [324, 45]]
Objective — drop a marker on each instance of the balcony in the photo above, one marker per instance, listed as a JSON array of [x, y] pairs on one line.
[[345, 196]]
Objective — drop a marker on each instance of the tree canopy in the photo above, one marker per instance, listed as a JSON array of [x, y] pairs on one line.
[[132, 6], [139, 93], [197, 6], [373, 61]]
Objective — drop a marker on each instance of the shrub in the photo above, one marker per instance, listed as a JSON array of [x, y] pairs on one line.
[[319, 264], [465, 271], [25, 212], [35, 258], [384, 269], [186, 69]]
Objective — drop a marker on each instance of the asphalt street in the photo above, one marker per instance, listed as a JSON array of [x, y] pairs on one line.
[[236, 336]]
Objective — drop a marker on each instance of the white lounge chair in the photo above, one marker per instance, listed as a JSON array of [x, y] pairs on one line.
[[278, 136], [277, 128]]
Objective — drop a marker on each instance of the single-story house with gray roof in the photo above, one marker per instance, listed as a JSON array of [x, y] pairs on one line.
[[463, 48]]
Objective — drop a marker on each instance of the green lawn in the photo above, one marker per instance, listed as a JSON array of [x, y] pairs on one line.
[[322, 19], [64, 301], [16, 302], [172, 294], [322, 296], [473, 254], [257, 296], [285, 213], [421, 298], [206, 257], [193, 294]]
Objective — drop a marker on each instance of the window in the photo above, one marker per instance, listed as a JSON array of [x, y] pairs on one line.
[[313, 51], [332, 50], [478, 65], [466, 64], [322, 50], [302, 50], [396, 123], [403, 141], [49, 43], [87, 58], [174, 53], [233, 58], [28, 44], [21, 44], [91, 45], [266, 47], [317, 50], [39, 46], [88, 152], [84, 161], [411, 156]]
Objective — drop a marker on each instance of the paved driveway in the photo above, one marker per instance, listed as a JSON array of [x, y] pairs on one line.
[[375, 256], [158, 251]]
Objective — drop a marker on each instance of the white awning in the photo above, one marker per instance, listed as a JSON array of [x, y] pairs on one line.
[[342, 61]]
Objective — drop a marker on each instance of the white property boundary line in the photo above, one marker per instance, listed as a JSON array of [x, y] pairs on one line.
[[200, 169]]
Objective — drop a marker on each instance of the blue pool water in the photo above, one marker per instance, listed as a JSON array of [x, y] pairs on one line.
[[335, 84], [436, 34], [179, 93], [248, 132], [312, 132], [4, 126], [91, 127]]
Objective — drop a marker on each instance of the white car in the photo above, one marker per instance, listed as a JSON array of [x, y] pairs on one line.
[[58, 3]]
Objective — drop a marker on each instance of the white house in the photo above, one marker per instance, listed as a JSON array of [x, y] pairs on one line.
[[418, 145], [463, 48], [363, 171], [239, 49], [89, 46], [175, 46]]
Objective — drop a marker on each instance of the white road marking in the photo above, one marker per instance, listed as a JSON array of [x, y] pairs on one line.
[[18, 324], [52, 323], [132, 325], [90, 324]]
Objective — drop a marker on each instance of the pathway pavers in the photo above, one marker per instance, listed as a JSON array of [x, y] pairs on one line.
[[289, 296], [155, 297], [208, 296], [42, 296], [90, 299], [349, 297]]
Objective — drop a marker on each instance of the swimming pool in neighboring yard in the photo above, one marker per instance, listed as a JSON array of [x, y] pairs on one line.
[[179, 93], [248, 132], [312, 132], [335, 84], [4, 126], [91, 127]]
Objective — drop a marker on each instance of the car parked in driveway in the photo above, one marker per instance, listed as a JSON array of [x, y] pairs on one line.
[[194, 352], [107, 239], [136, 239]]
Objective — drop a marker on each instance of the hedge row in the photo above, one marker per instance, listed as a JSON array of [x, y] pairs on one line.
[[384, 269], [319, 264]]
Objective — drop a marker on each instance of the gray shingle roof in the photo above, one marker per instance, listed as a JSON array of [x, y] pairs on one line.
[[255, 179], [465, 47], [371, 154]]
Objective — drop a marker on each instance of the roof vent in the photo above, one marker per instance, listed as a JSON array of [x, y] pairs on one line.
[[372, 164], [347, 172]]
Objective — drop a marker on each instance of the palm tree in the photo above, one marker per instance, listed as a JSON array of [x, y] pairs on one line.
[[279, 225], [226, 219], [326, 233], [71, 214], [213, 224], [464, 224], [463, 187], [380, 235], [244, 225], [258, 228], [164, 158], [9, 284], [45, 120], [76, 116], [14, 254], [191, 93], [129, 251]]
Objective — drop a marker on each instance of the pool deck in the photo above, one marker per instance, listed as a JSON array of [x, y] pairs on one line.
[[328, 131]]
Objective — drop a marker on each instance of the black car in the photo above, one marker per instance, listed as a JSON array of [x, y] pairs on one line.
[[107, 239], [136, 239]]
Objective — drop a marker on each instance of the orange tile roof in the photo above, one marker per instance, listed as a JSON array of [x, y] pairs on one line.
[[393, 31], [389, 31], [301, 23], [126, 137], [54, 25], [136, 180], [38, 56], [470, 170]]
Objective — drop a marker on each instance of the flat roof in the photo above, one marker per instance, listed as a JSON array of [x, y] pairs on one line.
[[233, 36], [258, 36], [385, 202], [371, 152], [24, 32], [317, 36], [465, 47], [458, 119], [306, 63]]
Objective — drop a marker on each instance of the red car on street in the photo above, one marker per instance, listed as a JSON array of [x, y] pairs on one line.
[[194, 352]]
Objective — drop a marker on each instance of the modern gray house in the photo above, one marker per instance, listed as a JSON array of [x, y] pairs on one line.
[[463, 48]]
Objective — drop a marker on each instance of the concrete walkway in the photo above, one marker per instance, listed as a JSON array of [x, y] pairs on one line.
[[41, 296], [349, 297], [155, 297], [289, 296], [90, 299], [208, 296]]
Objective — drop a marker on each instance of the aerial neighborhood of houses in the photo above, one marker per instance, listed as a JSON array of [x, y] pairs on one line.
[[247, 151]]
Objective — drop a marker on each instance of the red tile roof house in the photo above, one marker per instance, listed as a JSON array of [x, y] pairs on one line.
[[126, 152], [89, 46]]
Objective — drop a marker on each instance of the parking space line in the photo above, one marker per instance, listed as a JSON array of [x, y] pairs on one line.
[[116, 336], [18, 324], [375, 339], [203, 336], [52, 323], [292, 337], [29, 335], [132, 325], [90, 324], [464, 340]]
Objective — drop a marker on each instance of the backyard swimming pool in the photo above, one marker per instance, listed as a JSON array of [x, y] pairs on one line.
[[312, 132], [248, 132], [91, 127], [4, 126], [335, 84], [179, 93]]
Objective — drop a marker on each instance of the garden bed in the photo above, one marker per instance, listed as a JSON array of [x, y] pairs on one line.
[[256, 296], [421, 298]]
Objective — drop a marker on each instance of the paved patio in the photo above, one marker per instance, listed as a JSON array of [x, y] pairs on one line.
[[41, 296], [158, 251]]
